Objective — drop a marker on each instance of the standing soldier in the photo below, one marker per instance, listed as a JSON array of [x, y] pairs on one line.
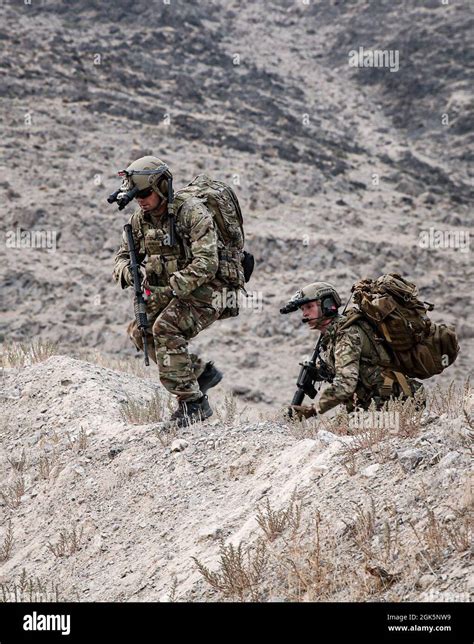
[[350, 355], [186, 291]]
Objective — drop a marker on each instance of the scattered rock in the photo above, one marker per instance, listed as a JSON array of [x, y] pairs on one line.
[[449, 459], [410, 459], [179, 445], [327, 437], [370, 470]]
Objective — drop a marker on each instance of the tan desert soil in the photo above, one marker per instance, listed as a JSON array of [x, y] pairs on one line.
[[141, 510]]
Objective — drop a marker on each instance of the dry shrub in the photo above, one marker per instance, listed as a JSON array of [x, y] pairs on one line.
[[21, 354], [7, 545], [362, 528], [44, 467], [139, 412], [459, 535], [69, 542], [11, 495], [240, 570], [438, 540], [308, 566], [274, 522], [452, 401]]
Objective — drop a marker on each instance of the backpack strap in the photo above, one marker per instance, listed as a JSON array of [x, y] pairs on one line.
[[390, 376], [351, 319], [389, 379]]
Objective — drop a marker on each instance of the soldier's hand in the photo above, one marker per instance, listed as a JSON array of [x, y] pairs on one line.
[[159, 298], [127, 275], [303, 411]]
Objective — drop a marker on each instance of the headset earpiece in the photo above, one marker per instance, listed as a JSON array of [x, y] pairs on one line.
[[328, 307]]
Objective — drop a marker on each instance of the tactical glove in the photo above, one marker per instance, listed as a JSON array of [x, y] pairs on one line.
[[159, 298], [304, 411], [127, 277]]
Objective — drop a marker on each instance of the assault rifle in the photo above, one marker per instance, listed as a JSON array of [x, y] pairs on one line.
[[310, 374], [139, 302]]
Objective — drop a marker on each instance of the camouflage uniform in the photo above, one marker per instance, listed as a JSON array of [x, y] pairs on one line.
[[188, 269], [353, 355]]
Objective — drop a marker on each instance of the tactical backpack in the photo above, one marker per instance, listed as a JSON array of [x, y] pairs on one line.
[[235, 264], [418, 347]]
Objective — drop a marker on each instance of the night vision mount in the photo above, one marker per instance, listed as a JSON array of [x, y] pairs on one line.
[[123, 197], [294, 304]]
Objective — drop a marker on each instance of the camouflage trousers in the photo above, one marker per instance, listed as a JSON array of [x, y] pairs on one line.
[[167, 341]]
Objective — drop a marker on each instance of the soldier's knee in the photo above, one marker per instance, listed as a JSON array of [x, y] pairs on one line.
[[164, 328]]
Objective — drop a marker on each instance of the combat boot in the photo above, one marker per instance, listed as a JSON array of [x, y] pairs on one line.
[[191, 411], [210, 377]]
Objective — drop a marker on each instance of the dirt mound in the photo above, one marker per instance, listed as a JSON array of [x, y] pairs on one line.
[[97, 508]]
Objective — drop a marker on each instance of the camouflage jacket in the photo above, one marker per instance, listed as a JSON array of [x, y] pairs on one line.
[[354, 357], [188, 265]]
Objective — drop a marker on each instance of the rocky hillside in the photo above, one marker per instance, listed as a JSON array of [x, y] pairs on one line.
[[339, 169], [95, 507]]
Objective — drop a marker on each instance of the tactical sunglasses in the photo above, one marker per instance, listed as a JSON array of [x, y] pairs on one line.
[[143, 194]]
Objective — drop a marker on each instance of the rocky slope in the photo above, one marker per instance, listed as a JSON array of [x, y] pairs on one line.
[[93, 507], [339, 169]]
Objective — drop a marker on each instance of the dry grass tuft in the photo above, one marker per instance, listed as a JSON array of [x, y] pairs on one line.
[[227, 413], [79, 443], [144, 413], [166, 436], [46, 463], [438, 540], [129, 365], [22, 354]]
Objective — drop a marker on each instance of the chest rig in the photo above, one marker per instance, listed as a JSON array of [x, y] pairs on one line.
[[162, 259]]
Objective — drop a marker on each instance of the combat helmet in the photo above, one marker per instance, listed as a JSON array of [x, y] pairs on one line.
[[148, 172], [322, 291]]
